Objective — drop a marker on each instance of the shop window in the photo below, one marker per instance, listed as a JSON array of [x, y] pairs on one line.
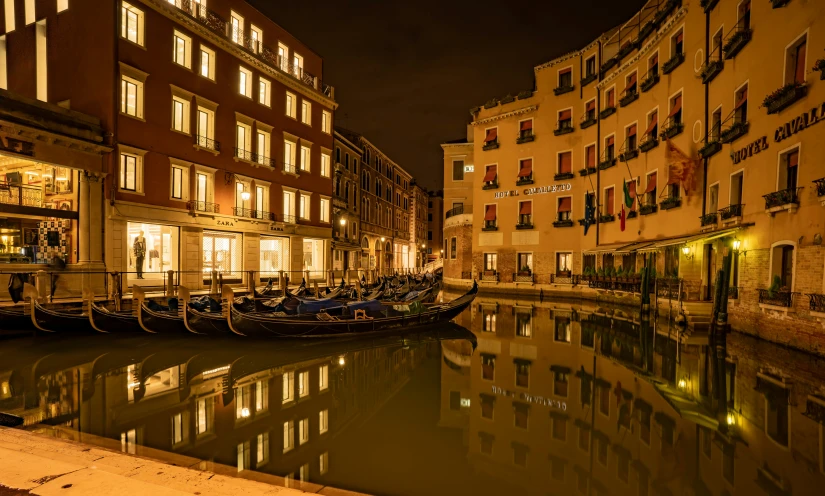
[[158, 252], [524, 324], [223, 253], [131, 22], [522, 372], [275, 256], [314, 253], [788, 169]]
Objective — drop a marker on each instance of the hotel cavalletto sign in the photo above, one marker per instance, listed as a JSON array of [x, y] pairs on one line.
[[538, 190]]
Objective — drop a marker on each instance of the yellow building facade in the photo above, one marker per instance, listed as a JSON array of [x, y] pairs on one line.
[[689, 130]]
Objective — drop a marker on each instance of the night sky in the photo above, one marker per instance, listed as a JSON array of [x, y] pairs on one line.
[[406, 73]]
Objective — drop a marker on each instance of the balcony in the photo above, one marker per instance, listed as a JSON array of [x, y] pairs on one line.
[[244, 155], [787, 199], [672, 128], [736, 42], [459, 210], [670, 202], [711, 69], [731, 212], [820, 187], [784, 97], [201, 206], [734, 132], [648, 29], [564, 128], [626, 49], [522, 181], [708, 5], [673, 63], [525, 137], [263, 160], [567, 88], [629, 97], [204, 143], [607, 163], [604, 218], [588, 79], [490, 145], [489, 276], [629, 154], [587, 171], [524, 225], [563, 223], [561, 176], [816, 303], [490, 184], [607, 112], [776, 298], [290, 169], [649, 81], [588, 120], [254, 48], [523, 276], [287, 219], [710, 148], [708, 219], [649, 142], [253, 214]]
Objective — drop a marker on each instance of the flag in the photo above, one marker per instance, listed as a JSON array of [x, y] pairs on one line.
[[588, 216], [622, 218], [681, 167], [628, 200]]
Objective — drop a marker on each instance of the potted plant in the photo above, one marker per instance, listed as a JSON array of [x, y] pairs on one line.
[[775, 287], [525, 271], [783, 97]]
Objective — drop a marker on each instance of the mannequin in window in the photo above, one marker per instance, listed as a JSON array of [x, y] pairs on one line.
[[139, 248]]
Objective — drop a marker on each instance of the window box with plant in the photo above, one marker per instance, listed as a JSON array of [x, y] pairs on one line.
[[625, 49], [607, 112], [490, 184], [632, 214], [525, 138], [731, 212], [587, 171], [776, 295], [708, 219], [563, 223], [670, 202], [648, 208], [588, 79], [734, 132], [648, 29], [565, 127], [563, 175], [736, 41], [650, 80], [525, 272], [630, 150], [666, 9], [607, 218], [563, 88], [649, 142], [609, 64], [673, 63], [629, 97], [784, 97], [711, 69], [710, 148], [490, 145], [524, 225], [781, 199], [521, 181], [672, 128], [490, 225], [606, 163], [708, 5], [588, 119]]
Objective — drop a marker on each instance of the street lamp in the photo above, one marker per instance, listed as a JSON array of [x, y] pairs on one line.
[[343, 221], [383, 239], [736, 244], [245, 196]]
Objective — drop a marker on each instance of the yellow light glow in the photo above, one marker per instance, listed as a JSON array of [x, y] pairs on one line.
[[244, 412], [245, 196], [736, 244], [731, 419], [341, 361], [343, 222], [685, 250], [682, 384]]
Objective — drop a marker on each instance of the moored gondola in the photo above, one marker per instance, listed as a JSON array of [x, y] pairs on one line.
[[341, 322], [49, 320], [200, 322], [103, 320], [154, 321]]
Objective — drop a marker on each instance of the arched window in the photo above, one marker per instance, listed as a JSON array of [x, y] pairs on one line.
[[365, 243], [783, 258]]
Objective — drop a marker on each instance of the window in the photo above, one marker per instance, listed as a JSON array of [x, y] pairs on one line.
[[241, 190], [289, 435], [264, 91], [243, 141], [788, 169], [245, 82], [291, 105], [525, 130], [289, 206], [524, 324], [4, 75], [559, 427], [564, 207], [630, 137], [458, 170], [324, 217], [525, 214], [303, 431], [206, 128], [490, 138], [609, 200], [522, 372], [590, 66], [677, 44], [207, 69], [590, 156], [297, 64], [741, 107], [305, 157], [41, 61], [490, 262], [263, 449], [289, 156], [795, 61], [323, 421], [561, 382], [256, 38], [262, 148], [180, 183], [325, 164], [488, 366], [131, 22], [604, 400], [326, 122], [288, 387], [204, 415], [777, 415], [490, 221], [236, 28], [9, 11], [652, 130], [131, 96], [744, 11], [630, 84], [650, 190], [716, 46], [303, 384], [304, 207], [261, 396], [564, 264], [565, 119], [323, 377], [453, 250], [283, 57], [180, 114], [676, 109], [182, 50], [610, 98], [566, 78], [131, 172], [653, 64], [242, 410], [306, 112], [716, 125]]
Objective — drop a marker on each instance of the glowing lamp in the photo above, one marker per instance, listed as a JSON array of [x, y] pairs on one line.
[[341, 360], [736, 244], [731, 419], [245, 196], [685, 250], [382, 239], [245, 412], [343, 222], [682, 384]]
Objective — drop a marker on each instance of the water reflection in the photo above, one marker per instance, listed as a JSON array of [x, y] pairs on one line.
[[517, 398]]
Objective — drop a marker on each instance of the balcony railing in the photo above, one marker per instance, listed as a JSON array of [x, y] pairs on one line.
[[290, 168], [629, 97], [489, 275], [24, 196], [263, 160], [255, 48], [671, 128], [253, 214], [490, 184], [649, 141], [459, 210], [731, 211], [650, 79], [588, 119], [781, 198], [563, 88], [207, 143], [202, 206], [737, 40], [820, 187], [817, 302], [242, 154], [286, 218], [711, 147], [523, 276], [670, 202], [490, 145], [736, 130], [708, 219], [776, 298], [563, 127]]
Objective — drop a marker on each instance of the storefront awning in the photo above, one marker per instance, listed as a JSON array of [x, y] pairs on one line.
[[693, 238], [634, 247], [610, 248]]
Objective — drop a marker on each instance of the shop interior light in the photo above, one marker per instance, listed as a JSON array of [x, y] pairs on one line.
[[61, 178], [32, 173]]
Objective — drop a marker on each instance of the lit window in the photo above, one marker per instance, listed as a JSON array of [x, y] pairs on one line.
[[325, 158], [131, 22], [128, 441], [131, 101], [323, 377], [204, 414], [306, 112], [289, 208], [242, 410], [289, 156], [206, 128], [179, 183], [29, 11], [283, 57], [303, 431], [262, 150], [289, 387], [129, 171], [257, 38], [207, 69], [243, 143], [62, 5], [304, 213], [180, 115], [263, 449], [178, 429], [289, 435], [261, 396], [236, 28], [245, 82], [326, 121], [305, 157], [324, 210], [9, 11], [264, 90], [297, 65], [323, 463], [182, 50], [323, 421], [291, 105]]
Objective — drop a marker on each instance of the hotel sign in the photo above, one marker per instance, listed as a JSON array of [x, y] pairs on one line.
[[16, 146], [810, 118], [469, 168], [529, 398], [538, 190], [750, 150]]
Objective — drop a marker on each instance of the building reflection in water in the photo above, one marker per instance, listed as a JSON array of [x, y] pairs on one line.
[[562, 398]]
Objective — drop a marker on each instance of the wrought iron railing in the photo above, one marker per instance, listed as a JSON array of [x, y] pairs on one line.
[[563, 127], [459, 210], [738, 37], [784, 197], [731, 211], [286, 218], [243, 154], [522, 277], [650, 79], [776, 298], [489, 276], [817, 302], [588, 119], [290, 168], [253, 214], [263, 160], [207, 143], [708, 219], [820, 186], [672, 127], [202, 206], [490, 184]]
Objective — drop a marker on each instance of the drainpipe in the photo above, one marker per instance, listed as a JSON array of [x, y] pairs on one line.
[[598, 146], [707, 93]]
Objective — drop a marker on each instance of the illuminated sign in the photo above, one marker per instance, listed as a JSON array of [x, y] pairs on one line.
[[465, 403], [538, 190], [469, 168], [529, 398], [803, 121]]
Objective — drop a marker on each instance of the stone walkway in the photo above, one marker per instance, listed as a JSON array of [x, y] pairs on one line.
[[47, 466]]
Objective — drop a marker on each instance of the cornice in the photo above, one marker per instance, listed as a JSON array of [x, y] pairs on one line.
[[647, 48], [567, 56], [168, 10], [505, 115], [53, 138]]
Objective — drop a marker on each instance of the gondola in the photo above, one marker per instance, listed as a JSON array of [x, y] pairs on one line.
[[160, 322], [341, 323], [103, 320], [48, 320], [15, 319], [199, 322]]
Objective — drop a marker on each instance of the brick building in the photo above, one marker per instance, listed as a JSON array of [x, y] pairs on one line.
[[220, 122], [346, 249], [435, 225]]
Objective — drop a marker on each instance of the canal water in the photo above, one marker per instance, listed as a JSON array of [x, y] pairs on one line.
[[518, 397]]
